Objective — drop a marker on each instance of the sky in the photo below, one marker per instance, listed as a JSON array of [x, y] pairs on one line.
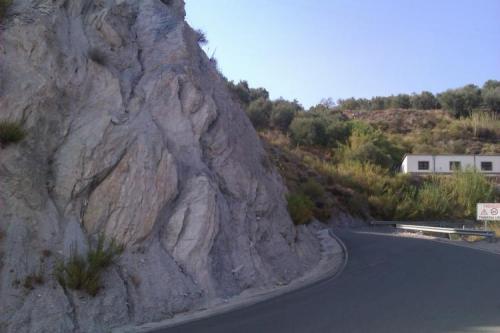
[[314, 49]]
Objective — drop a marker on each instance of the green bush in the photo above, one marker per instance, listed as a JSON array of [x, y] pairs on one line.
[[469, 187], [460, 102], [424, 101], [259, 112], [4, 5], [446, 197], [11, 132], [84, 272], [484, 125], [491, 98], [283, 113], [367, 145], [433, 201], [337, 133], [401, 101], [309, 131], [201, 37], [300, 208], [312, 189]]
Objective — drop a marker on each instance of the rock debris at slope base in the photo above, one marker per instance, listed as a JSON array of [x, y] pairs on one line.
[[131, 133]]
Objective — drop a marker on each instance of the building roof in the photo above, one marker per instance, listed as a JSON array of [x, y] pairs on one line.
[[434, 155], [496, 155]]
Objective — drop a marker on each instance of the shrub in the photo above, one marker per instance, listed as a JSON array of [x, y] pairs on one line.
[[368, 145], [485, 125], [337, 133], [283, 113], [33, 279], [460, 102], [433, 201], [312, 189], [491, 98], [4, 5], [11, 132], [469, 187], [491, 84], [365, 151], [401, 101], [245, 94], [84, 272], [424, 101], [446, 197], [241, 91], [300, 208], [259, 112], [309, 131], [201, 37]]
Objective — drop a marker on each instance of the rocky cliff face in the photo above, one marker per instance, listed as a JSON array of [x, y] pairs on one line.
[[131, 133]]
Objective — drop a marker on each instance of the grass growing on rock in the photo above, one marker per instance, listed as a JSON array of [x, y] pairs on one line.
[[83, 272], [11, 132], [4, 5], [300, 208]]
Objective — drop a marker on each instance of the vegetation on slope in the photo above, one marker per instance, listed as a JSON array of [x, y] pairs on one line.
[[10, 132], [4, 5], [83, 272], [349, 159]]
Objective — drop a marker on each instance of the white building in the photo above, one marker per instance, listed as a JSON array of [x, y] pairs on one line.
[[422, 164]]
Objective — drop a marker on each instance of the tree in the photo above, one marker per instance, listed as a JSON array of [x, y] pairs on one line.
[[283, 113], [337, 133], [401, 101], [491, 84], [491, 98], [349, 104], [424, 101], [309, 131], [259, 112], [245, 94], [256, 93], [460, 102], [241, 91], [378, 103]]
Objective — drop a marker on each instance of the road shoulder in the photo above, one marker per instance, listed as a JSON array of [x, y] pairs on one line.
[[479, 245], [333, 260]]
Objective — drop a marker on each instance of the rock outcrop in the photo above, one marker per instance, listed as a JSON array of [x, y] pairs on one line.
[[132, 133]]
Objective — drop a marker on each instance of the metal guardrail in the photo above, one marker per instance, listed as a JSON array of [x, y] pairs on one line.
[[469, 232], [415, 226], [409, 222]]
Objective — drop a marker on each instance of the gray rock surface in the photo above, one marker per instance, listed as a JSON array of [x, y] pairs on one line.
[[131, 133]]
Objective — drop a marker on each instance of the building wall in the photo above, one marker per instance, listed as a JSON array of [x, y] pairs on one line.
[[494, 159], [441, 163], [412, 163]]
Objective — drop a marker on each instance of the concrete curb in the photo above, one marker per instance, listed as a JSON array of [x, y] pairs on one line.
[[264, 295], [344, 249]]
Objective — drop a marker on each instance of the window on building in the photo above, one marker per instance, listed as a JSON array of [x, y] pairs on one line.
[[423, 165], [455, 165], [486, 166]]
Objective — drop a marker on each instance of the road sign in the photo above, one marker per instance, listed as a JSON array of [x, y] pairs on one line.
[[488, 211]]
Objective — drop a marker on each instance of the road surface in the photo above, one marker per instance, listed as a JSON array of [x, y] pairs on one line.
[[390, 284]]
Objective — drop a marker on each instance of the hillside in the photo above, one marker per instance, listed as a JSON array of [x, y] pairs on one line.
[[436, 131], [336, 160]]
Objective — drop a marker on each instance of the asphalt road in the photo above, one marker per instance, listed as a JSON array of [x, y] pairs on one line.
[[390, 284]]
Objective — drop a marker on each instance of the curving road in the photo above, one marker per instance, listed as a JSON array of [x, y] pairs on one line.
[[390, 284]]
